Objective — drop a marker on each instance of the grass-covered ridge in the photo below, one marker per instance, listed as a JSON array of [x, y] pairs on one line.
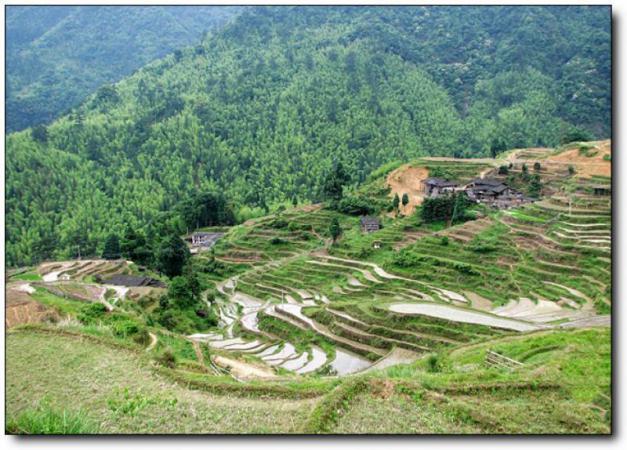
[[125, 395]]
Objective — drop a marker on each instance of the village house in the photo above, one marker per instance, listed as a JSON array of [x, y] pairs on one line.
[[493, 192], [368, 224], [433, 187]]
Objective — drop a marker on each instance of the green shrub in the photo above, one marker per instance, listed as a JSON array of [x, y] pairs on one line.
[[166, 358], [125, 328], [444, 240], [142, 337], [482, 245], [91, 313], [278, 224], [356, 205], [277, 241], [433, 364]]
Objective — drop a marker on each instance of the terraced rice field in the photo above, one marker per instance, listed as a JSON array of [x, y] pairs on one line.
[[540, 266]]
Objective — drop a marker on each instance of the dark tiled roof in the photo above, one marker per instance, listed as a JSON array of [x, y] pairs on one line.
[[133, 281], [433, 181], [486, 181], [368, 220]]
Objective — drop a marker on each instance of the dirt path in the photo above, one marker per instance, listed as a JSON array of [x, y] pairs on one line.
[[198, 351], [153, 341], [407, 180]]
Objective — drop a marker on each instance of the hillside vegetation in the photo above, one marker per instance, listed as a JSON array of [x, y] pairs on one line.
[[263, 108], [58, 55]]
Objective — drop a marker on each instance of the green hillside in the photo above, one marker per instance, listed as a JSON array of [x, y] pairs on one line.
[[58, 55], [262, 109]]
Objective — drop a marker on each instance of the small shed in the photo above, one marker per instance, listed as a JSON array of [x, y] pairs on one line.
[[368, 224], [205, 238], [602, 189]]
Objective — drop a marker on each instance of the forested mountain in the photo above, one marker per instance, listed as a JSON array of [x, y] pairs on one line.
[[56, 56], [263, 108]]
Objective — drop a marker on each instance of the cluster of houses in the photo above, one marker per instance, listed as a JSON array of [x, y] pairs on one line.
[[481, 190], [489, 191]]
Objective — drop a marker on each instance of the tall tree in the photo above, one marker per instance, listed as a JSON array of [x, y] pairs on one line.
[[335, 229], [112, 247], [172, 256]]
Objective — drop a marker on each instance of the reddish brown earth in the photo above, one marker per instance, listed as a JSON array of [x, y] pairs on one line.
[[21, 308]]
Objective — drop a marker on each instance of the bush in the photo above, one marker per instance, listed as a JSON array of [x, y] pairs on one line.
[[277, 240], [166, 358], [444, 240], [479, 245], [278, 224], [433, 364], [439, 172], [92, 313], [142, 337], [356, 205], [125, 328], [503, 170]]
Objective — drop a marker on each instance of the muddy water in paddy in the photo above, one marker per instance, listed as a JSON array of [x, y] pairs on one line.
[[460, 315], [318, 359], [346, 362]]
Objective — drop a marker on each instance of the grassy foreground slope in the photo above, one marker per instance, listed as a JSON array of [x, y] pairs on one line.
[[120, 393], [563, 388]]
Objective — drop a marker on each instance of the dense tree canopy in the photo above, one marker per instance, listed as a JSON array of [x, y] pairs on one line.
[[261, 112], [57, 55]]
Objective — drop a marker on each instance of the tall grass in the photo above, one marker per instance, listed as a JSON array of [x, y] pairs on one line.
[[45, 420]]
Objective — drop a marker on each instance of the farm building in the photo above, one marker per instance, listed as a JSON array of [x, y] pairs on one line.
[[368, 224], [432, 187], [132, 281], [204, 239]]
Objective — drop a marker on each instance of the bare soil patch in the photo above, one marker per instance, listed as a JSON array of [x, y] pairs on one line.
[[21, 309], [588, 166], [407, 180]]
